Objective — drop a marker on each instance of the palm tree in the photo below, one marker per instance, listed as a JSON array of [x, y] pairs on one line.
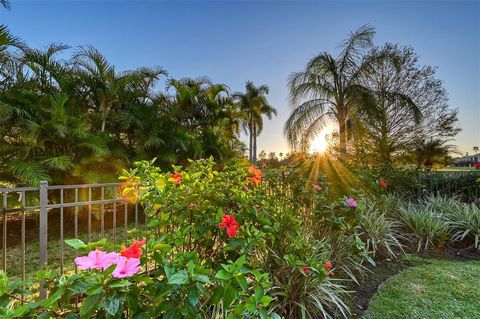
[[253, 103], [5, 4], [429, 152], [108, 89], [328, 87]]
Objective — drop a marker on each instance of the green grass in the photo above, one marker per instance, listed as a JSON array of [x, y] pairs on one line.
[[440, 289], [456, 169]]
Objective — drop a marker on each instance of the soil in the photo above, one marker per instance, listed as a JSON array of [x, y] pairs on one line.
[[374, 281]]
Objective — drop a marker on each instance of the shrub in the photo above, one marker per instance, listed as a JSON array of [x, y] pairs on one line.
[[440, 204], [308, 294], [215, 243], [423, 227], [463, 221], [380, 234]]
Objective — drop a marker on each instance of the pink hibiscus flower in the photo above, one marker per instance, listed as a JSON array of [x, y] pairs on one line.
[[126, 267], [96, 259], [351, 202]]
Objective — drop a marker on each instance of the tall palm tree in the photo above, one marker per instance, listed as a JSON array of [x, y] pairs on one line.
[[327, 89], [254, 104]]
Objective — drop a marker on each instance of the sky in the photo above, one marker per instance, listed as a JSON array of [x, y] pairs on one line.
[[263, 41]]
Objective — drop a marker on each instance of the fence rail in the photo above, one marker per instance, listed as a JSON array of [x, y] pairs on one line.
[[463, 185], [45, 198]]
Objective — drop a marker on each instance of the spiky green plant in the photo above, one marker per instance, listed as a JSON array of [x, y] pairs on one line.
[[380, 233], [423, 227], [463, 222]]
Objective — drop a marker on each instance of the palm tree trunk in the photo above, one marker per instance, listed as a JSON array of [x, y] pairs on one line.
[[104, 117], [254, 157], [342, 136], [250, 146]]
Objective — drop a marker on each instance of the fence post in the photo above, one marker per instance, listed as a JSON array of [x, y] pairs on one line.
[[43, 235]]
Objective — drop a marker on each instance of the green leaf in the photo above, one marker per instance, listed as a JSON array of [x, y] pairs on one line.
[[53, 298], [240, 262], [95, 290], [112, 305], [179, 278], [193, 296], [230, 295], [243, 283], [203, 279], [258, 294], [223, 275], [120, 284], [89, 305], [153, 223], [217, 295], [75, 243]]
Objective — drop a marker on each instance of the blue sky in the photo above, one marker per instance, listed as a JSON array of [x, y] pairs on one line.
[[262, 41]]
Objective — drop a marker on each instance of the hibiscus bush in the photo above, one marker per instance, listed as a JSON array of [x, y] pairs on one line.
[[230, 241]]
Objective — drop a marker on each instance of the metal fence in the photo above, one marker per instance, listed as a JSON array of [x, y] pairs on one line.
[[81, 200], [463, 185]]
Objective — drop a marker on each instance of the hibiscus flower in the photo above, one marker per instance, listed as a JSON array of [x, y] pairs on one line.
[[96, 259], [382, 183], [135, 249], [177, 178], [351, 202], [256, 179], [230, 224], [328, 265], [126, 267]]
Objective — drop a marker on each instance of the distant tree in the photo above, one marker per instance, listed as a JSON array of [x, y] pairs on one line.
[[405, 104], [254, 104], [329, 89], [433, 151], [475, 148], [263, 155]]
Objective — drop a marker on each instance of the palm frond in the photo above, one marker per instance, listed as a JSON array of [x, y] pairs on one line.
[[30, 173]]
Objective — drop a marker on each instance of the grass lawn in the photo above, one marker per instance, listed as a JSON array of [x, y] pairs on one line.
[[438, 289], [457, 169]]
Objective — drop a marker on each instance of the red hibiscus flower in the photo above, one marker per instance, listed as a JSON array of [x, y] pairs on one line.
[[305, 269], [328, 266], [382, 183], [477, 165], [256, 179], [230, 224], [177, 178], [135, 249]]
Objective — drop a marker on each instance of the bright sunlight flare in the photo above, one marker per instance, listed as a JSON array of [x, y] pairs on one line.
[[319, 144]]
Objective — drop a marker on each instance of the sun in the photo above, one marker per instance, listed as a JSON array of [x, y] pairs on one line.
[[319, 143]]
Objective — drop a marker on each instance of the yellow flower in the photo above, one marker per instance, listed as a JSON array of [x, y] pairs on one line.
[[160, 183]]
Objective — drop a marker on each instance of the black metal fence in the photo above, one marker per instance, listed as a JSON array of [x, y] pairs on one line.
[[463, 185]]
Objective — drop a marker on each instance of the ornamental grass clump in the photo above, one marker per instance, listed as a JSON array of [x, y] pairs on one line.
[[423, 227], [382, 235], [463, 222]]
